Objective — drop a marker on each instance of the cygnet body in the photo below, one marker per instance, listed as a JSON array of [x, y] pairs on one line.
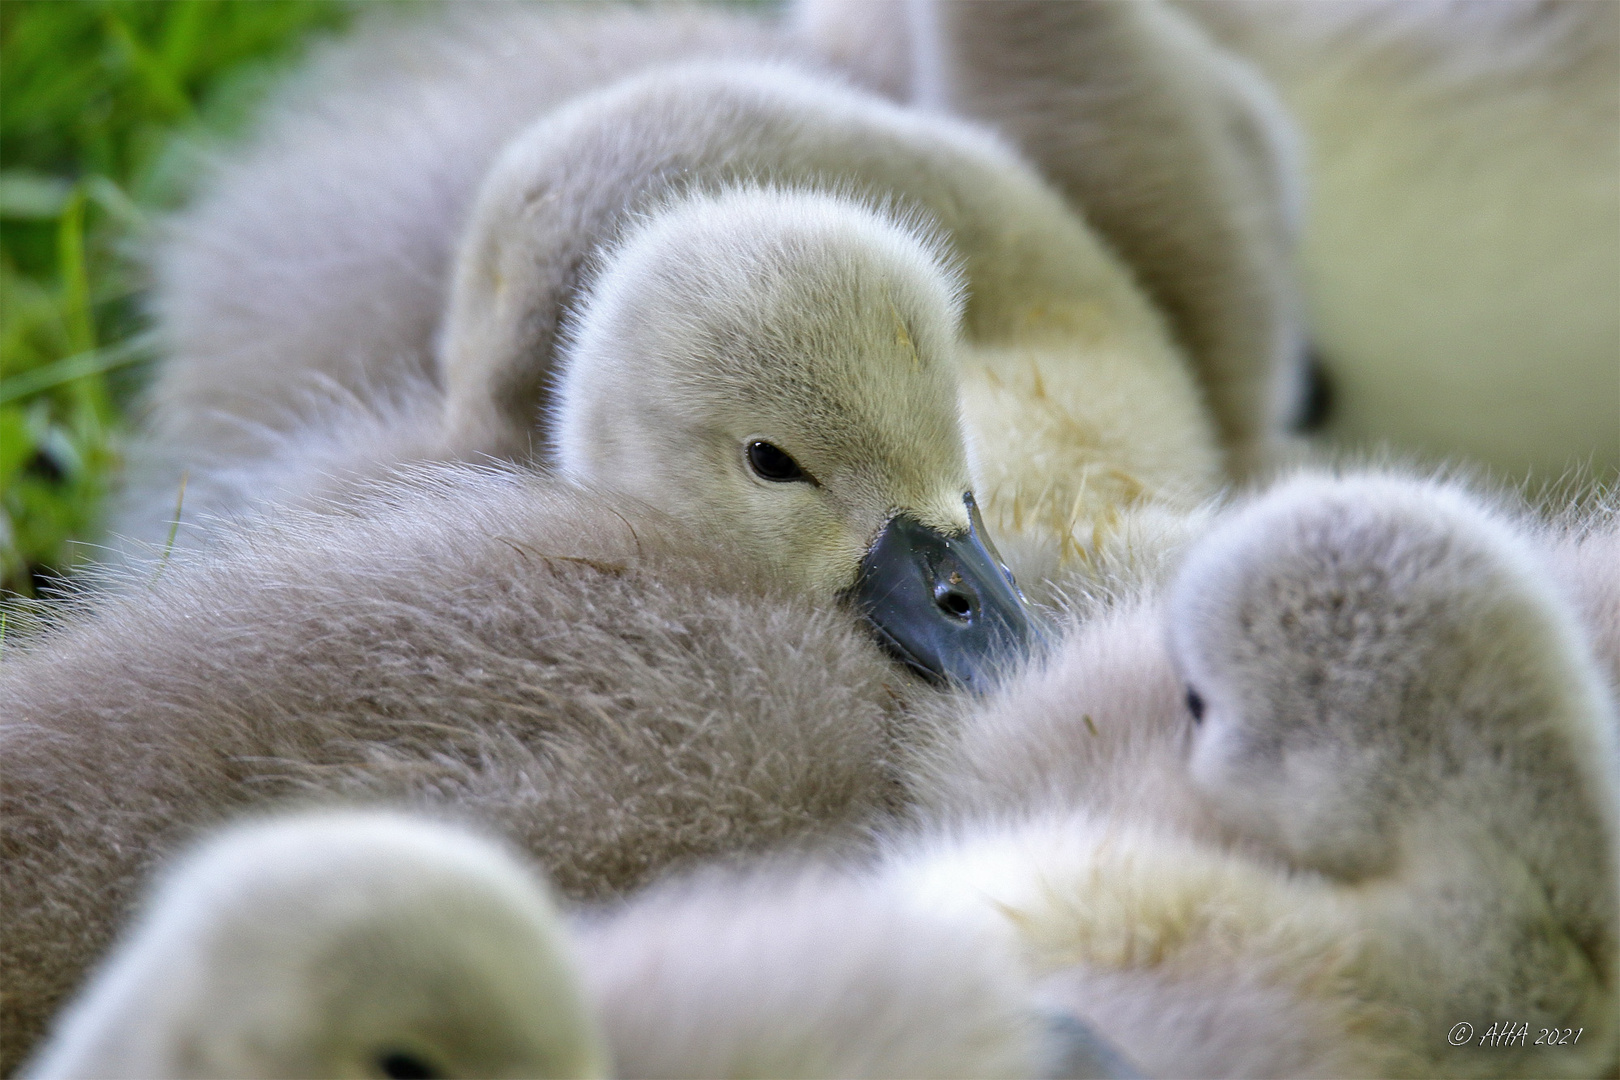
[[368, 944], [615, 691]]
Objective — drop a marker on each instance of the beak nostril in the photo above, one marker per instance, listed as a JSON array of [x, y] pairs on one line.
[[937, 601], [953, 603]]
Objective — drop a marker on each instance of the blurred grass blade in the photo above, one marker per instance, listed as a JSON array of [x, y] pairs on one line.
[[174, 528], [181, 34], [25, 194], [104, 105], [76, 366], [75, 280], [162, 90], [118, 205]]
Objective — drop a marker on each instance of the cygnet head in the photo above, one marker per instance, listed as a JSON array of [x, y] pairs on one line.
[[337, 945], [781, 364], [1349, 645]]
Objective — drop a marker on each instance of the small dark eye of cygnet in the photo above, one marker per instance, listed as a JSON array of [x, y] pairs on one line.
[[1195, 705], [405, 1065], [771, 462]]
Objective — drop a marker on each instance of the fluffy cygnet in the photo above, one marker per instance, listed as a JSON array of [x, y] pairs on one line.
[[1077, 408], [336, 945], [778, 364], [1077, 404], [1363, 803]]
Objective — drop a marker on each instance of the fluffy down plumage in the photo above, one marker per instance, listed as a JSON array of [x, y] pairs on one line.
[[1353, 781], [1171, 147], [1461, 250], [1083, 416], [612, 690], [1364, 791], [337, 945]]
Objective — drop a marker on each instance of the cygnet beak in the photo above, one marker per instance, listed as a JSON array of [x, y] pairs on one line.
[[943, 603]]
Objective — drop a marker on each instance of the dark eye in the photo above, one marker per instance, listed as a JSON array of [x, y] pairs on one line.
[[771, 462], [1195, 705], [405, 1065]]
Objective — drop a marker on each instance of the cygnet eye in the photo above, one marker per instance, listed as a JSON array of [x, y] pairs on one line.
[[771, 462], [1195, 705], [406, 1065]]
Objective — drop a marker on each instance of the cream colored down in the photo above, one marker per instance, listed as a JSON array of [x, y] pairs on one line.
[[1077, 404], [816, 325], [1176, 154], [1461, 249]]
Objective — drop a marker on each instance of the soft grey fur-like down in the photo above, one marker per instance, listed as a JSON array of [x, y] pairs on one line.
[[1391, 807], [613, 691]]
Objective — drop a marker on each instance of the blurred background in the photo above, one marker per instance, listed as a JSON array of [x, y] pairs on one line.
[[103, 104]]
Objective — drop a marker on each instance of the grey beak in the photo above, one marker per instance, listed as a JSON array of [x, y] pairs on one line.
[[943, 603]]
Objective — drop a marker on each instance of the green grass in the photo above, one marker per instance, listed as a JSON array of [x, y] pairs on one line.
[[99, 100]]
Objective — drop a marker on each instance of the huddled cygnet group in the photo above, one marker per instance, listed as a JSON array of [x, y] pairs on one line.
[[690, 567]]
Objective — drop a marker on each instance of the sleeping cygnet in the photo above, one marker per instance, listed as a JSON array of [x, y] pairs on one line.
[[336, 945]]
